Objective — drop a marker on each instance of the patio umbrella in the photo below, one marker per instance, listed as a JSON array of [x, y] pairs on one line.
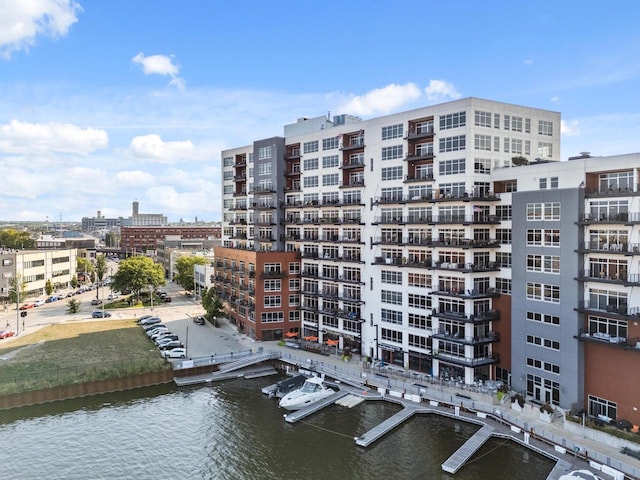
[[333, 343], [291, 334], [311, 338]]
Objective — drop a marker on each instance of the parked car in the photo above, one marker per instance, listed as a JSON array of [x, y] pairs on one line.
[[166, 299], [153, 331], [150, 321], [6, 333], [144, 317], [171, 344], [113, 296], [27, 306], [96, 301], [174, 353], [52, 298], [100, 314], [199, 320], [166, 337]]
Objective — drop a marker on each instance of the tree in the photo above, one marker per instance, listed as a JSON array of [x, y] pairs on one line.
[[17, 285], [74, 282], [184, 267], [213, 305], [85, 266], [137, 274], [11, 238], [101, 270], [518, 161], [73, 306], [48, 287]]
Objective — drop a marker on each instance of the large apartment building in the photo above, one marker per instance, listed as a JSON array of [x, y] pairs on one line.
[[408, 228]]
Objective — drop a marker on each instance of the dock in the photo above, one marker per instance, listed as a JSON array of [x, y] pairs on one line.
[[389, 424], [236, 369], [293, 417], [466, 451]]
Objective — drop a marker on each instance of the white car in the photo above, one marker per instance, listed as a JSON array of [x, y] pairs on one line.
[[174, 353], [38, 303]]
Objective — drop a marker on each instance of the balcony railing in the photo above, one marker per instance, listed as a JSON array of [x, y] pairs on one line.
[[489, 337], [613, 191], [614, 218], [609, 339], [467, 361]]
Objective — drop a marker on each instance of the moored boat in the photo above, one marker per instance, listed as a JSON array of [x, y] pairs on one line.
[[312, 390]]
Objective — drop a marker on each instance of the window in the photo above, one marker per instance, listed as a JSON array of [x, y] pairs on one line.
[[545, 150], [452, 144], [310, 182], [543, 342], [392, 173], [271, 317], [607, 329], [272, 301], [228, 189], [503, 285], [294, 268], [391, 316], [543, 183], [482, 119], [419, 280], [392, 131], [330, 143], [453, 120], [503, 259], [392, 152], [503, 236], [543, 292], [227, 161], [294, 284], [543, 237], [272, 285], [503, 212], [310, 164], [331, 161], [418, 301], [264, 153], [516, 146], [543, 263], [264, 169], [227, 175], [600, 406], [388, 296], [545, 128], [516, 124], [391, 335], [452, 167], [553, 182], [294, 300], [542, 365], [482, 142], [329, 180], [417, 320], [310, 147], [543, 211], [543, 318], [392, 278]]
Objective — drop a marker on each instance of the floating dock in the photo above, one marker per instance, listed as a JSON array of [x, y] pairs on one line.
[[293, 417], [389, 424], [467, 450]]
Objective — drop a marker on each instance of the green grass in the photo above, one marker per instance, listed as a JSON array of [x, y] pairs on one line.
[[69, 353]]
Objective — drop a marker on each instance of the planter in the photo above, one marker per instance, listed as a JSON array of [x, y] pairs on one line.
[[545, 417], [516, 406]]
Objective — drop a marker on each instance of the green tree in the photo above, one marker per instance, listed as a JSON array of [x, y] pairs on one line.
[[137, 274], [84, 266], [11, 238], [17, 285], [213, 305], [48, 287], [101, 270], [73, 306], [74, 282], [184, 267]]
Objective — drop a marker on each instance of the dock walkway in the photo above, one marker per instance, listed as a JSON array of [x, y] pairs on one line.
[[293, 417], [389, 424], [467, 450]]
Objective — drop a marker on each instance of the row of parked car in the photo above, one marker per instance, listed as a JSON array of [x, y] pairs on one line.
[[167, 342]]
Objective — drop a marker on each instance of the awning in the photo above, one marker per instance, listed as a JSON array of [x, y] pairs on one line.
[[311, 338], [291, 334]]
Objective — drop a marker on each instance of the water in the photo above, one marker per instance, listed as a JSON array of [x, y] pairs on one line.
[[232, 431]]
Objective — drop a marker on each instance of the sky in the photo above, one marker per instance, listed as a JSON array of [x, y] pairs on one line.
[[103, 103]]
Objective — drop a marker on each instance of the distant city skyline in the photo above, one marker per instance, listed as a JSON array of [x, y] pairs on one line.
[[104, 103]]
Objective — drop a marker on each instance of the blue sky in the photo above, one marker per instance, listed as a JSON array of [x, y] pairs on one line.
[[107, 102]]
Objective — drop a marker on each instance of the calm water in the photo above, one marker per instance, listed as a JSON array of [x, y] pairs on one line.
[[232, 431]]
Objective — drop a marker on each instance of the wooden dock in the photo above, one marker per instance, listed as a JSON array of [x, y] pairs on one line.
[[389, 424], [471, 446], [293, 417], [559, 469]]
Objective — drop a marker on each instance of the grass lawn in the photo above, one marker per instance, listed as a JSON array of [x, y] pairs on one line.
[[77, 352]]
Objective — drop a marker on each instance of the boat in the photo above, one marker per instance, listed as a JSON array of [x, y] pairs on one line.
[[312, 390], [580, 475], [283, 387]]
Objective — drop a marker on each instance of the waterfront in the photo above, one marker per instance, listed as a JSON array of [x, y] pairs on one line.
[[232, 431]]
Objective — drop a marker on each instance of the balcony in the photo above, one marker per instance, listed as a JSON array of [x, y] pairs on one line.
[[613, 191], [355, 143], [614, 309], [447, 291], [240, 193], [352, 163], [292, 154], [467, 267], [480, 317], [608, 339], [604, 247], [611, 219], [424, 155], [489, 337], [421, 177], [293, 172], [262, 206], [619, 277], [257, 190], [353, 184], [420, 133], [466, 197], [273, 274], [467, 361], [239, 178]]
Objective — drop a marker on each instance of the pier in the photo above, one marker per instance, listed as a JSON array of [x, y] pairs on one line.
[[467, 450], [389, 424], [293, 417]]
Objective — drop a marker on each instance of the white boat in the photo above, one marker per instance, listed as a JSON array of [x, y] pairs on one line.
[[580, 475], [312, 390]]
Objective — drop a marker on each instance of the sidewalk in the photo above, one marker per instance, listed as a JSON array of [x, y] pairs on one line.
[[555, 433]]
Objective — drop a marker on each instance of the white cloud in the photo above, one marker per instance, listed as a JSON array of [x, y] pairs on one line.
[[528, 61], [381, 100], [160, 65], [133, 178], [555, 99], [21, 22], [570, 129], [440, 91], [47, 138], [152, 147]]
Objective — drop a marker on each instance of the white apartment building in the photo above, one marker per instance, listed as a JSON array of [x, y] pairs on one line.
[[397, 221]]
